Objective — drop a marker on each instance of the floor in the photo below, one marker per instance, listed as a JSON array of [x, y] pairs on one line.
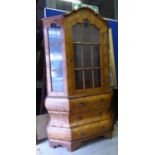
[[98, 146]]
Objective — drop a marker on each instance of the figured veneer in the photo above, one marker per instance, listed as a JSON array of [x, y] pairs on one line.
[[76, 133], [77, 73], [68, 120], [77, 104]]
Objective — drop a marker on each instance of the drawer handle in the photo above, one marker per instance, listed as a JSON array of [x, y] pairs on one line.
[[82, 134], [102, 100], [79, 117], [103, 127], [81, 104], [100, 113]]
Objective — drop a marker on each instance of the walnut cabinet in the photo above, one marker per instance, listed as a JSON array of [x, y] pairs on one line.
[[77, 74]]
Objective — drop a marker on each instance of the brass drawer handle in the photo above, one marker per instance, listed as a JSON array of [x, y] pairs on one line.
[[81, 104], [79, 117], [100, 113], [102, 100], [103, 127], [82, 133]]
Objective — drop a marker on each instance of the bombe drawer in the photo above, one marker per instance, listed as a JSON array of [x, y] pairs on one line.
[[73, 120], [71, 134], [77, 104]]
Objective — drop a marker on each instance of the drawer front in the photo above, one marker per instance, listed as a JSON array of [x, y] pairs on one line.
[[74, 120], [89, 103], [70, 134], [77, 104], [91, 129], [89, 117]]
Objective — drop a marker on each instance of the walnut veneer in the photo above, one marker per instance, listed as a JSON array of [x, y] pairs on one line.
[[77, 72]]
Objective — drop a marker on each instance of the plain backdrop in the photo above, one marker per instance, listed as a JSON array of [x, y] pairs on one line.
[[136, 76]]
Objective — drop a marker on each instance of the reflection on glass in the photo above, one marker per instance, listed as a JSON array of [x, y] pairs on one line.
[[78, 80], [97, 78], [77, 56], [88, 79], [87, 55], [77, 33], [86, 31], [56, 56], [54, 33], [96, 55], [57, 81], [95, 34]]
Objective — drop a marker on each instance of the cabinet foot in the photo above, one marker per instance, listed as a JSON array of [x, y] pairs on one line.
[[70, 146], [73, 146], [108, 134]]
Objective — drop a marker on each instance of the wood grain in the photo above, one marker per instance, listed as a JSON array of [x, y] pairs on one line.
[[77, 115], [76, 133]]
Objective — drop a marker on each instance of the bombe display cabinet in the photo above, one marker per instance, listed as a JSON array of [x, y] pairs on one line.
[[77, 74]]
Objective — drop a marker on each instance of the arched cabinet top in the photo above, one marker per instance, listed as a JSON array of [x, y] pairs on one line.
[[81, 13], [87, 13]]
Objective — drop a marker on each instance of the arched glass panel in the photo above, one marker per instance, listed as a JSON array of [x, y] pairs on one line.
[[86, 46], [95, 34], [86, 31], [77, 32]]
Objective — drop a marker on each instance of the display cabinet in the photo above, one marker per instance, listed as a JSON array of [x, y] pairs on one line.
[[77, 74]]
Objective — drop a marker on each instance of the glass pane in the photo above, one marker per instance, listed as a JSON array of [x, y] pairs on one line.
[[87, 55], [54, 33], [56, 56], [77, 56], [86, 31], [97, 78], [78, 79], [96, 55], [57, 81], [95, 34], [77, 33], [88, 79]]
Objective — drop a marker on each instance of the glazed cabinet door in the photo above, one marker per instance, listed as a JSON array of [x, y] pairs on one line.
[[55, 57], [87, 54]]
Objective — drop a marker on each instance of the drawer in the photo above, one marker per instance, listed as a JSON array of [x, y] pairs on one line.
[[91, 129], [89, 103], [73, 120], [89, 117], [77, 105], [76, 133]]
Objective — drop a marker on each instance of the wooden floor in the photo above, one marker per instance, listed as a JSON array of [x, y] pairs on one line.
[[98, 146]]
